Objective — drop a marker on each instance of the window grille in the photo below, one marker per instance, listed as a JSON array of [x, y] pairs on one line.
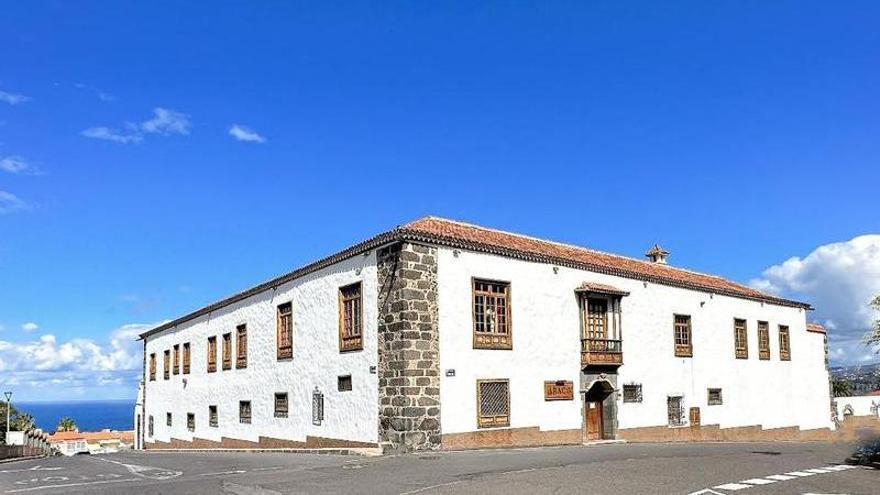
[[763, 340], [168, 421], [241, 346], [227, 351], [784, 344], [350, 318], [191, 421], [317, 407], [212, 416], [683, 343], [176, 368], [493, 402], [285, 331], [186, 358], [244, 411], [597, 319], [281, 405], [491, 308], [344, 383], [632, 392], [212, 354], [715, 397], [741, 339], [675, 410]]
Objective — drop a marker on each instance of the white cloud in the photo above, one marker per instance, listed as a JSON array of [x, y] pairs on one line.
[[13, 98], [245, 134], [30, 326], [109, 134], [10, 203], [17, 165], [840, 280], [167, 122]]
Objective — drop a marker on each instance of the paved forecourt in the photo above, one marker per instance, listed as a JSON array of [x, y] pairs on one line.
[[774, 468]]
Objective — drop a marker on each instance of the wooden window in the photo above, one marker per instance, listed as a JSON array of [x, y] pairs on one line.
[[493, 403], [741, 338], [212, 416], [715, 397], [150, 426], [168, 419], [351, 316], [176, 367], [684, 346], [597, 318], [241, 346], [281, 405], [153, 367], [212, 354], [632, 392], [285, 331], [695, 416], [186, 358], [763, 340], [344, 383], [491, 312], [227, 351], [191, 421], [675, 410], [166, 364], [784, 344], [244, 411]]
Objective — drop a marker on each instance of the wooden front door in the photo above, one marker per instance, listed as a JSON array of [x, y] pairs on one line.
[[594, 420]]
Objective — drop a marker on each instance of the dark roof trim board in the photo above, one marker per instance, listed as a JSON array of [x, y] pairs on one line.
[[418, 236]]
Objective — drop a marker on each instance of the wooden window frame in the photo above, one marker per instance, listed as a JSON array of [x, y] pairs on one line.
[[153, 367], [241, 346], [763, 341], [212, 354], [351, 339], [680, 419], [166, 364], [191, 421], [344, 383], [282, 404], [227, 351], [741, 351], [284, 346], [683, 350], [492, 340], [187, 357], [784, 343], [716, 401], [242, 418], [592, 330], [175, 360], [213, 416], [497, 421]]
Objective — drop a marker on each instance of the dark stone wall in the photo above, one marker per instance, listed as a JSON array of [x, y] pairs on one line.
[[409, 344]]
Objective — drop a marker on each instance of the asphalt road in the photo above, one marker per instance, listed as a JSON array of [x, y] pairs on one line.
[[765, 468]]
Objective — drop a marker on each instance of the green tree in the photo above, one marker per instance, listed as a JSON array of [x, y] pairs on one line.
[[841, 388], [22, 422], [66, 424], [873, 337]]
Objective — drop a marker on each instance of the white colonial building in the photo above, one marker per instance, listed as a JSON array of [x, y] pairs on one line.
[[441, 334]]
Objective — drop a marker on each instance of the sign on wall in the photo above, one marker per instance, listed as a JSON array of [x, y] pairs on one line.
[[559, 390]]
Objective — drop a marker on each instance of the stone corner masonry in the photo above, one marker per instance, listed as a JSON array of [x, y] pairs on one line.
[[409, 361]]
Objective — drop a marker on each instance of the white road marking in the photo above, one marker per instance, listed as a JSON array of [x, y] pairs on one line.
[[146, 471], [732, 486], [238, 471], [800, 473], [246, 490], [758, 481], [780, 477], [707, 491], [273, 468], [35, 468], [817, 471], [46, 487]]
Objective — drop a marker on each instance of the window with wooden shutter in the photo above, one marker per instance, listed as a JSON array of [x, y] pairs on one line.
[[343, 383], [168, 420], [784, 344], [191, 421], [741, 339], [166, 362], [715, 398], [212, 416], [186, 358], [176, 367], [763, 340], [675, 410], [153, 367], [695, 416], [285, 331], [244, 411], [227, 351], [351, 318], [212, 354], [281, 406], [241, 346], [683, 342], [597, 318], [493, 403], [491, 313]]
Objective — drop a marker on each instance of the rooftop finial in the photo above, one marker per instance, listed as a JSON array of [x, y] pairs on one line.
[[657, 254]]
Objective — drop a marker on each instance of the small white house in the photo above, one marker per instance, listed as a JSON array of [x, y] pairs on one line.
[[442, 334]]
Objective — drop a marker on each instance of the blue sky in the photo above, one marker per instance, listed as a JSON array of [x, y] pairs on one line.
[[737, 134]]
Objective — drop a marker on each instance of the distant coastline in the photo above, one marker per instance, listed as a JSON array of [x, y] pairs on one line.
[[90, 415]]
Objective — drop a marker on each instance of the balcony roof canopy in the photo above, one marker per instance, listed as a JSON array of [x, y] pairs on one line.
[[604, 289]]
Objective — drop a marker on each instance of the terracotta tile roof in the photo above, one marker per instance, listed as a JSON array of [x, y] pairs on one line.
[[874, 393], [601, 289], [451, 233], [92, 436], [815, 327], [60, 436]]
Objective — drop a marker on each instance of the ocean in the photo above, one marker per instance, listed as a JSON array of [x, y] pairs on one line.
[[88, 415]]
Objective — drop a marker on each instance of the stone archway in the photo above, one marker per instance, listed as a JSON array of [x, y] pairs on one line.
[[599, 411]]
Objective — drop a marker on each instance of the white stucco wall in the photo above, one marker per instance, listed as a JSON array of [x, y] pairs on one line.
[[316, 362], [546, 346], [861, 405]]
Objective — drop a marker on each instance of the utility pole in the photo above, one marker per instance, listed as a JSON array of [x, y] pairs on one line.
[[8, 408]]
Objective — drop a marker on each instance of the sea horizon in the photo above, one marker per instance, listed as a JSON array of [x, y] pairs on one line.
[[88, 414]]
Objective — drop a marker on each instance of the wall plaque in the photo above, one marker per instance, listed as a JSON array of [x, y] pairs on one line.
[[559, 390]]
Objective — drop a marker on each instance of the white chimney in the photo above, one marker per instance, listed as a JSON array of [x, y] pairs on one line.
[[657, 254]]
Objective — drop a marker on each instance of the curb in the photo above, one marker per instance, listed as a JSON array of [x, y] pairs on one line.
[[365, 452], [14, 459]]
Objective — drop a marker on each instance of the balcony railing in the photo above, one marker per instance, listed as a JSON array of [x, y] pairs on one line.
[[602, 352]]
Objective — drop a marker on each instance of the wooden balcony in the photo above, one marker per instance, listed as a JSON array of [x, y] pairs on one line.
[[601, 352]]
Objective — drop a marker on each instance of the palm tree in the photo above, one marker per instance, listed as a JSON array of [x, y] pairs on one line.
[[841, 388], [22, 422], [66, 424]]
